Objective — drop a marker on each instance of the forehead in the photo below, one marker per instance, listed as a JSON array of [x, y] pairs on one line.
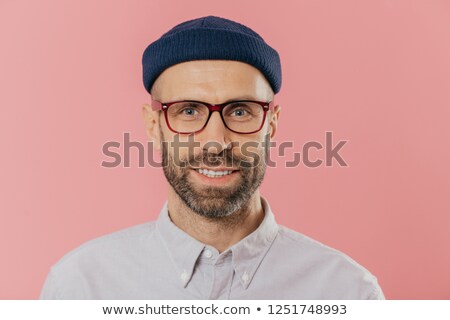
[[211, 80]]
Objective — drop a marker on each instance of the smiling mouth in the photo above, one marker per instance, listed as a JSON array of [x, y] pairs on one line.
[[215, 173]]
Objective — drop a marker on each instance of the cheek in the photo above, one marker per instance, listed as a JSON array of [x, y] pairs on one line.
[[183, 147], [252, 148]]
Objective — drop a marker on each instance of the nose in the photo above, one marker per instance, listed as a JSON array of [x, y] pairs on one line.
[[214, 135]]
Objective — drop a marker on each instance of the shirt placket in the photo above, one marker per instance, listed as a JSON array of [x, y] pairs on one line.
[[222, 279]]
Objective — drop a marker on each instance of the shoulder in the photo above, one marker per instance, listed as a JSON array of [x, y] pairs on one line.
[[296, 241], [114, 241], [96, 258], [326, 264]]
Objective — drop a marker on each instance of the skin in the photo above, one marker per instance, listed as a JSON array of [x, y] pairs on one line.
[[213, 81]]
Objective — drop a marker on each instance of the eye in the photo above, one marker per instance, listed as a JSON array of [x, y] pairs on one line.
[[189, 111], [239, 112]]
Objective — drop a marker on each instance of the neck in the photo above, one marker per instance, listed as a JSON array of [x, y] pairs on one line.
[[220, 233]]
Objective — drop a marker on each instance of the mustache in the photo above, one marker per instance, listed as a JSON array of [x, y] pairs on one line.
[[225, 158]]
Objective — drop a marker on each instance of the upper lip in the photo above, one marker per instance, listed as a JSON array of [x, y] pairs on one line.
[[217, 169]]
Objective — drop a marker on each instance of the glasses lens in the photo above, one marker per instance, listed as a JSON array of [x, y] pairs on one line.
[[187, 116], [243, 116]]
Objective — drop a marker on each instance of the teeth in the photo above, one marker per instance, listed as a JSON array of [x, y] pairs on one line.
[[214, 174]]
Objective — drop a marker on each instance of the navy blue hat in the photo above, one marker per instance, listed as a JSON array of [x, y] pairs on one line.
[[211, 38]]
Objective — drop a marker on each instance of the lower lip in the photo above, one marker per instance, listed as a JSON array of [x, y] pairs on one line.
[[217, 180]]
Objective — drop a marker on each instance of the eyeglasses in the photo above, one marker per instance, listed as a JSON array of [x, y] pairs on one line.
[[190, 116]]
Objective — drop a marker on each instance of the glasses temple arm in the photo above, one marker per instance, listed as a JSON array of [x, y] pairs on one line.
[[156, 105]]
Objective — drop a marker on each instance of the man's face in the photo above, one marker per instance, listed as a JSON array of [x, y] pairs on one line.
[[219, 193]]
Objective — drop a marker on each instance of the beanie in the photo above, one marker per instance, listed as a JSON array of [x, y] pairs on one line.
[[210, 38]]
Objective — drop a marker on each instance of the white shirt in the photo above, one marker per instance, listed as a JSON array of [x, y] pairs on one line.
[[157, 260]]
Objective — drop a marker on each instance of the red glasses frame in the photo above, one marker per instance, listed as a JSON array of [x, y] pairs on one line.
[[164, 106]]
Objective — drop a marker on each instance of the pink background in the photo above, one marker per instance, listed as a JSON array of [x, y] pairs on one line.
[[376, 73]]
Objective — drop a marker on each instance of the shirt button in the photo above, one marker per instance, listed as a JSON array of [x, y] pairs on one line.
[[245, 277], [208, 253]]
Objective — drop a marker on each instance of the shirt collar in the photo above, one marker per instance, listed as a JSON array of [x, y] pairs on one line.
[[247, 254]]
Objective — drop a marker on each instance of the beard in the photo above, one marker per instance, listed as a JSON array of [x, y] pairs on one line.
[[215, 202]]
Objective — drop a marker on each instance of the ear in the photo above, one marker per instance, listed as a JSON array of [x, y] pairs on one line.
[[273, 121], [151, 122]]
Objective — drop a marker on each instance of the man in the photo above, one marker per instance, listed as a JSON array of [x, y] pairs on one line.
[[216, 236]]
